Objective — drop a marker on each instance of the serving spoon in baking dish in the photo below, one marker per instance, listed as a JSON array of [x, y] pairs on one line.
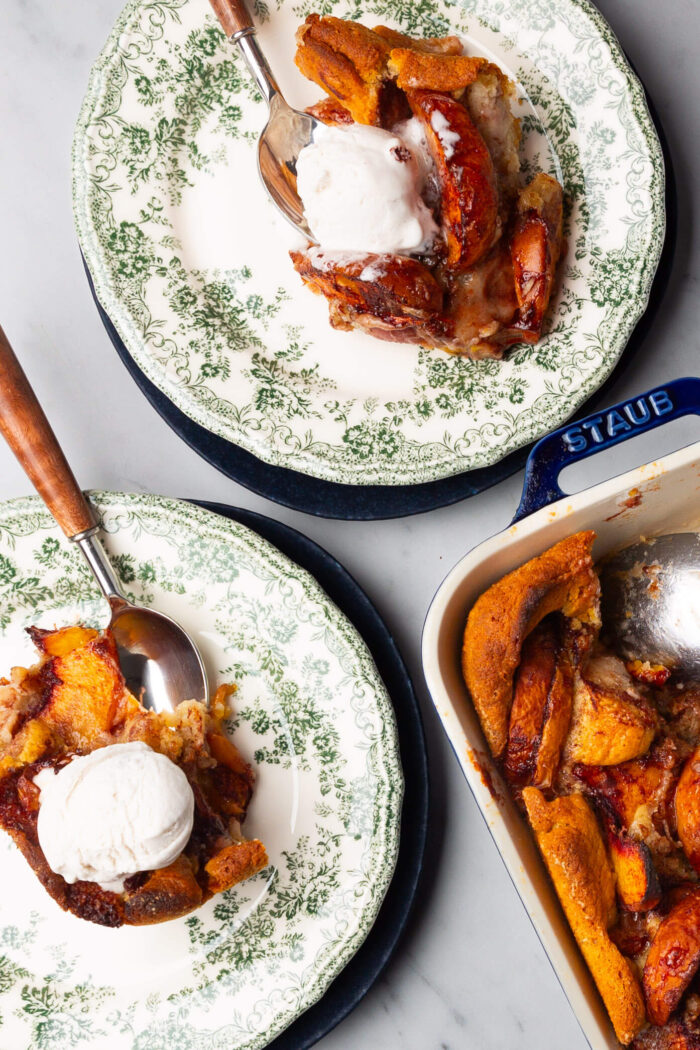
[[160, 662], [287, 130], [651, 602]]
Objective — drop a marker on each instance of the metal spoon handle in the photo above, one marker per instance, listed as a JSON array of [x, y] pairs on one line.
[[238, 26], [28, 433], [101, 569]]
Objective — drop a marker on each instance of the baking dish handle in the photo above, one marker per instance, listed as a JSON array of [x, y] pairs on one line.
[[576, 441]]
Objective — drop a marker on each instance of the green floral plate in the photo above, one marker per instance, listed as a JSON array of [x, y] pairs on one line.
[[312, 714], [189, 258]]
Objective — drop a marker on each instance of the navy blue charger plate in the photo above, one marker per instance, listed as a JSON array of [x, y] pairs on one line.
[[364, 968], [372, 502]]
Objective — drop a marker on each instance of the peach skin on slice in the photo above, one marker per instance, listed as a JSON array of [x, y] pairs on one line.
[[562, 578], [468, 190], [673, 958], [687, 806], [612, 722], [640, 791], [571, 844], [541, 711], [536, 247], [638, 886], [62, 641]]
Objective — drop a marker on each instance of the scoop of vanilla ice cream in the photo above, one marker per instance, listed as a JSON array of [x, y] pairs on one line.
[[360, 187], [121, 809]]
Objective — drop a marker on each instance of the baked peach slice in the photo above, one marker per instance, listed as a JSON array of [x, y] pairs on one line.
[[572, 846], [386, 294], [673, 959], [174, 888], [612, 722], [561, 579], [331, 112], [80, 690], [468, 190], [638, 886], [687, 809], [535, 248], [541, 711], [638, 792]]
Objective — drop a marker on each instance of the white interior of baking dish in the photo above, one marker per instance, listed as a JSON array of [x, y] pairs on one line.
[[658, 497]]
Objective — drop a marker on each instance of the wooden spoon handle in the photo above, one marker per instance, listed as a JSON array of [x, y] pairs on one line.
[[28, 433], [233, 16]]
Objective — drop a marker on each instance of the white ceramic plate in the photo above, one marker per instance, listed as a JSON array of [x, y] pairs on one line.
[[312, 715], [189, 258]]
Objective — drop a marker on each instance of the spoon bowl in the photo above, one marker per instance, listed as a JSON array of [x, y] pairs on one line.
[[160, 663], [651, 602]]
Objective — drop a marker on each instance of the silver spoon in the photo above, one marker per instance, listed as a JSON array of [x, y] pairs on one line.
[[651, 602], [161, 663], [287, 130]]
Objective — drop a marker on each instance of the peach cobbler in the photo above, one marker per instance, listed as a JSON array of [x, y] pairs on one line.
[[412, 188], [127, 816], [603, 757]]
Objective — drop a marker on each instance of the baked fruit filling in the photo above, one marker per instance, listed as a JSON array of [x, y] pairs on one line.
[[486, 279], [603, 758], [72, 703]]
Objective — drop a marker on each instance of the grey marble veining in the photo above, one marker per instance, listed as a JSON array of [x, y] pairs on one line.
[[470, 972]]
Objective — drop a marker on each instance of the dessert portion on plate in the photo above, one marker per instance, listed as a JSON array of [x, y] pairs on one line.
[[603, 757], [426, 231], [127, 816]]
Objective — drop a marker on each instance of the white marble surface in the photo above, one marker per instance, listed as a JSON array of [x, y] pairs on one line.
[[470, 972]]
